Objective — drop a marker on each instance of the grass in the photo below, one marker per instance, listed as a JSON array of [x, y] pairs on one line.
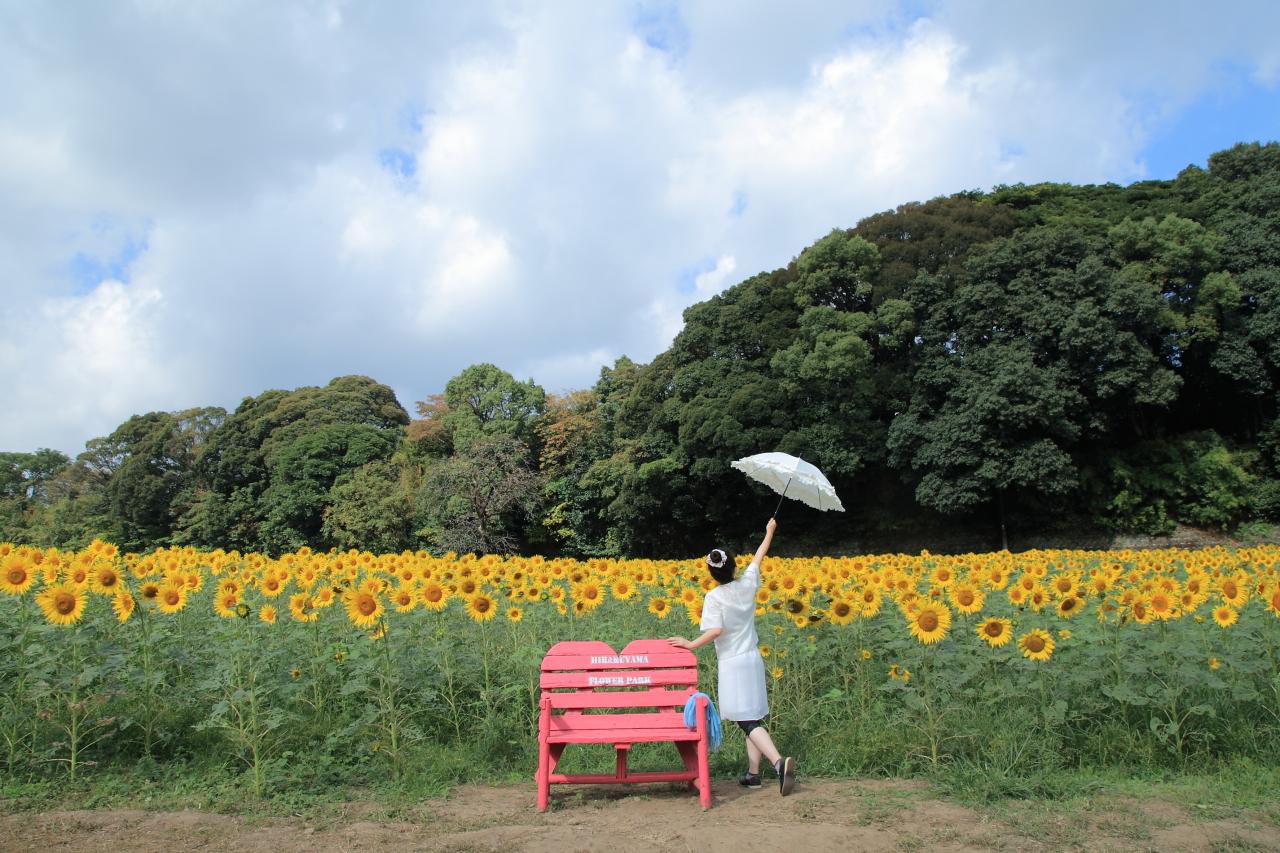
[[1127, 805], [213, 787], [1238, 803]]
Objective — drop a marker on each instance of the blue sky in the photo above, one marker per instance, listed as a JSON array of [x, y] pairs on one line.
[[202, 201], [1240, 109]]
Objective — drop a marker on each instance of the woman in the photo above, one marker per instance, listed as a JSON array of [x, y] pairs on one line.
[[729, 618]]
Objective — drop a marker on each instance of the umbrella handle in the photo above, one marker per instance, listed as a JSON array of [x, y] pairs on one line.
[[784, 494]]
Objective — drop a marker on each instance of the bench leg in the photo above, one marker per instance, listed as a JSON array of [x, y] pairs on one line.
[[544, 777], [704, 769], [544, 758], [689, 755], [620, 767]]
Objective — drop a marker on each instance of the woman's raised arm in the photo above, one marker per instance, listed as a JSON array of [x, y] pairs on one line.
[[768, 539]]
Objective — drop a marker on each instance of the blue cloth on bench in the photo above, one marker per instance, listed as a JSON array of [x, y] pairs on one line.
[[714, 734]]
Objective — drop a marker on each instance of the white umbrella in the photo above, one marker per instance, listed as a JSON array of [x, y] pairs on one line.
[[791, 477]]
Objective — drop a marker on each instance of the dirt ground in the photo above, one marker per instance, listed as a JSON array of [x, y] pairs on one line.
[[821, 815]]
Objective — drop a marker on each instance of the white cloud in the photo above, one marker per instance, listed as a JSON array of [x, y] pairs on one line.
[[96, 354], [562, 167]]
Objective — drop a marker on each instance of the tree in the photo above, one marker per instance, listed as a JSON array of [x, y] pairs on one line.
[[24, 489], [475, 500], [266, 472], [484, 400], [1034, 347], [371, 509]]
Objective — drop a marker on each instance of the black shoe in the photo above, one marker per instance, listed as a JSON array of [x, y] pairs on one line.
[[749, 780], [786, 775]]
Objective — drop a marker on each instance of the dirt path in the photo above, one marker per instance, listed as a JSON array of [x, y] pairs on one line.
[[821, 816]]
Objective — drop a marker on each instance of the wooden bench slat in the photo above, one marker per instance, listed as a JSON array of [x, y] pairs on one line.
[[619, 678], [665, 699], [625, 736], [670, 659], [649, 720]]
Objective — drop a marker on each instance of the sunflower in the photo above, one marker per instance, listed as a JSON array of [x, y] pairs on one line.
[[16, 575], [302, 608], [1140, 611], [434, 596], [695, 612], [942, 576], [623, 589], [589, 593], [1037, 598], [364, 608], [272, 585], [1036, 645], [930, 622], [901, 673], [123, 604], [995, 631], [870, 600], [404, 598], [514, 614], [63, 604], [224, 604], [1234, 590], [1069, 606], [966, 597], [104, 579], [267, 614], [482, 608], [1225, 615], [171, 598], [1162, 606], [1063, 586], [841, 612], [777, 672], [659, 607]]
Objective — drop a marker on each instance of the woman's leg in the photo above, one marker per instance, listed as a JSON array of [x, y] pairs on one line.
[[759, 743], [753, 756]]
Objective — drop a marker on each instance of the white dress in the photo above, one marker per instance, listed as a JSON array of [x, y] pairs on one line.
[[732, 608]]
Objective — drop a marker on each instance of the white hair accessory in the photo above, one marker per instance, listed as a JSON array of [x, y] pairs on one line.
[[716, 558]]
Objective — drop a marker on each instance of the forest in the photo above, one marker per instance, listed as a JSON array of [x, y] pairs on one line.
[[972, 372]]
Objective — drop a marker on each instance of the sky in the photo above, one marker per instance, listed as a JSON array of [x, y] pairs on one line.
[[201, 201]]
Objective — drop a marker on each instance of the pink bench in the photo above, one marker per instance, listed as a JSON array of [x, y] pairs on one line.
[[585, 686]]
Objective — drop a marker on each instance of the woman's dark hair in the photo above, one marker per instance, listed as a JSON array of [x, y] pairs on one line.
[[721, 565]]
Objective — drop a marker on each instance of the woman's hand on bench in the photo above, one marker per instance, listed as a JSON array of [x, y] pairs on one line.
[[707, 636]]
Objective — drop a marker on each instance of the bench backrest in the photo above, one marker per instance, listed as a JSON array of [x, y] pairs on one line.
[[582, 674]]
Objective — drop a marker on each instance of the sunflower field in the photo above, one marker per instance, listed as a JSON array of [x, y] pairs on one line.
[[327, 667]]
